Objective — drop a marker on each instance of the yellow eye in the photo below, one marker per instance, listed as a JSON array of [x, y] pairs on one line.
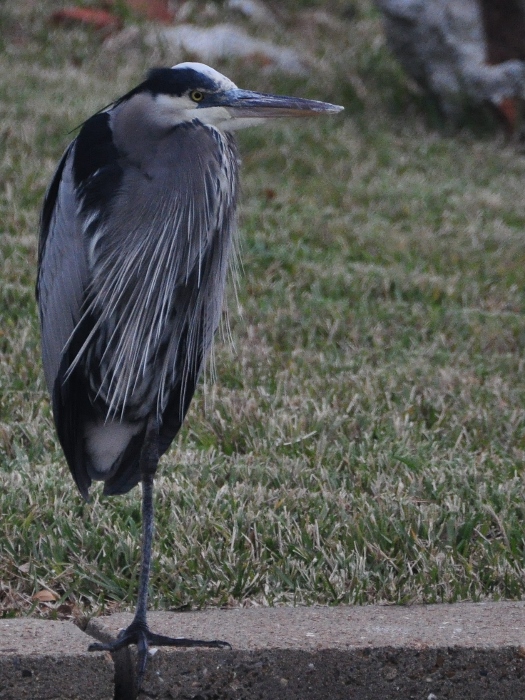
[[197, 95]]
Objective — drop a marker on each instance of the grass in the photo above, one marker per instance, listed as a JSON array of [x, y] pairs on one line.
[[365, 439]]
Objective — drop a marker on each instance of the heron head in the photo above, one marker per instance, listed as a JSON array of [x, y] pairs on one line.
[[191, 91]]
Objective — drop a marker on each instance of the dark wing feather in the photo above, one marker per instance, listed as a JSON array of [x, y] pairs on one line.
[[64, 276], [63, 273], [48, 208], [61, 284]]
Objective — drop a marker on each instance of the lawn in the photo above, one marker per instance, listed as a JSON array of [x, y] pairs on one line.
[[360, 437]]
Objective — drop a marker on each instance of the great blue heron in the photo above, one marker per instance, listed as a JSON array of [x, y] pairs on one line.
[[135, 238]]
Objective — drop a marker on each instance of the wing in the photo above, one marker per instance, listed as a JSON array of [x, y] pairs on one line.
[[62, 269], [85, 181], [62, 279], [88, 165], [133, 264]]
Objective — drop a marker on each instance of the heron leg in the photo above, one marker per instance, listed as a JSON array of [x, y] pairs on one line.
[[138, 631]]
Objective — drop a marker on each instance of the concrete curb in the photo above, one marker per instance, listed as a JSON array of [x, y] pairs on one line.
[[47, 660], [465, 651], [437, 652]]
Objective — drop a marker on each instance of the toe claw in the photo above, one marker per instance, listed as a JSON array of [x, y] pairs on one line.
[[223, 645]]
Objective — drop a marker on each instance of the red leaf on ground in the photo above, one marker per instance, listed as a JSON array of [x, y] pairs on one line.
[[99, 19], [152, 9]]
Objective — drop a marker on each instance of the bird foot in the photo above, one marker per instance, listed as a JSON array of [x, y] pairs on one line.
[[139, 633]]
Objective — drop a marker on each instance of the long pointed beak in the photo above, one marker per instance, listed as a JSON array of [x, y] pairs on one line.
[[258, 105]]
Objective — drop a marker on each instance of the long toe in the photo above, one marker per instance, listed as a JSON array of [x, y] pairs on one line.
[[139, 633], [142, 660], [144, 638], [160, 640], [118, 644]]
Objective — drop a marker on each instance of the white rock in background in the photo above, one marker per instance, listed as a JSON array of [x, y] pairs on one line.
[[185, 10], [321, 18], [441, 45], [208, 44], [255, 10]]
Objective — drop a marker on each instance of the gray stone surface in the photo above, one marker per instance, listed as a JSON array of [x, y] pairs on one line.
[[47, 660], [441, 45], [464, 652]]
